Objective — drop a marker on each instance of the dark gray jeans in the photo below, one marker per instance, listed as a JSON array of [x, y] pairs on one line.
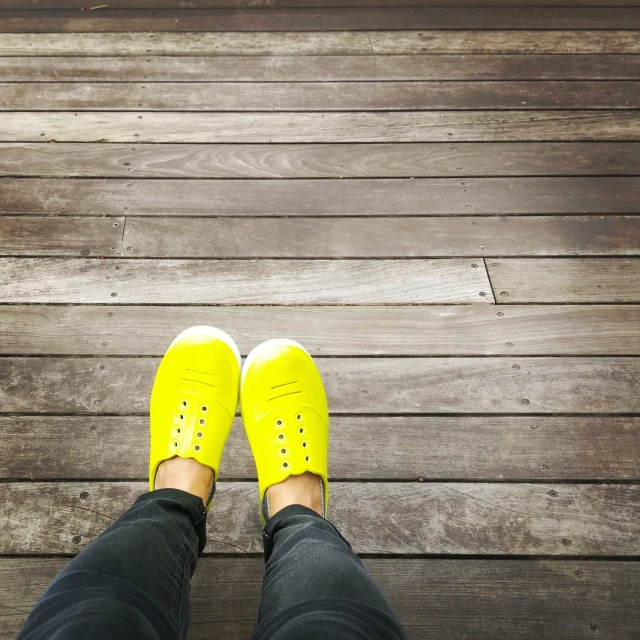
[[134, 580]]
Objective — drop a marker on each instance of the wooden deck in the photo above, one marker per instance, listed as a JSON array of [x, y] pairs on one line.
[[440, 202]]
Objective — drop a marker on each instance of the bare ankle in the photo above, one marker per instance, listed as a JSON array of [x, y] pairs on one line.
[[304, 490], [185, 474]]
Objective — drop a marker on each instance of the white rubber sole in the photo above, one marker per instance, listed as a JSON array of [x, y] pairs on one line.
[[266, 346], [211, 332]]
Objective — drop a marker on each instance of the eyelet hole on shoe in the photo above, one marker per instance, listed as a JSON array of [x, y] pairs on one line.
[[181, 416], [184, 404], [178, 430], [304, 445], [202, 422], [281, 436], [299, 417], [174, 444], [283, 451], [301, 430], [199, 435], [204, 408], [285, 465], [306, 458], [279, 423], [196, 447]]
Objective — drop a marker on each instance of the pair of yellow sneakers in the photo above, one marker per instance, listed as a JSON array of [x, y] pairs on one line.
[[283, 402]]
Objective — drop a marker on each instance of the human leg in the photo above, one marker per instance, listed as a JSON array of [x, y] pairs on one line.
[[133, 581], [315, 586], [314, 583]]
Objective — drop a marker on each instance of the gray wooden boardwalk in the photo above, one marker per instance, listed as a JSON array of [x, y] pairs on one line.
[[441, 200]]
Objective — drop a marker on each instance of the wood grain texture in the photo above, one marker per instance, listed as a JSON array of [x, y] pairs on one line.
[[414, 126], [42, 236], [320, 68], [311, 19], [471, 138], [335, 331], [318, 96], [354, 385], [333, 237], [244, 282], [420, 197], [566, 280], [405, 448], [368, 237], [453, 598], [391, 160], [420, 518], [271, 4], [319, 43]]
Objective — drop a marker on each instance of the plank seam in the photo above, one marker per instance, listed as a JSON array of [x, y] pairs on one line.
[[559, 558], [124, 224], [285, 256], [346, 480], [568, 414], [493, 289], [316, 304]]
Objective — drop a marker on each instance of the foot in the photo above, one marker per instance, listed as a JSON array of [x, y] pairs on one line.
[[187, 475], [193, 403], [304, 489], [285, 415]]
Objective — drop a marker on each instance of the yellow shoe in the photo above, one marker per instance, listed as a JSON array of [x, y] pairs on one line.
[[285, 415], [194, 399]]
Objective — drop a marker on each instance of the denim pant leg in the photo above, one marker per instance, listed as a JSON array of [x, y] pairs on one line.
[[316, 587], [132, 581]]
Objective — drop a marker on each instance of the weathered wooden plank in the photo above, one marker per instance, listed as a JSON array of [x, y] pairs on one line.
[[419, 518], [64, 280], [333, 237], [337, 331], [314, 96], [371, 237], [216, 198], [565, 280], [414, 126], [354, 385], [271, 4], [320, 68], [392, 237], [401, 160], [404, 448], [482, 598], [312, 19], [42, 236], [319, 43]]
